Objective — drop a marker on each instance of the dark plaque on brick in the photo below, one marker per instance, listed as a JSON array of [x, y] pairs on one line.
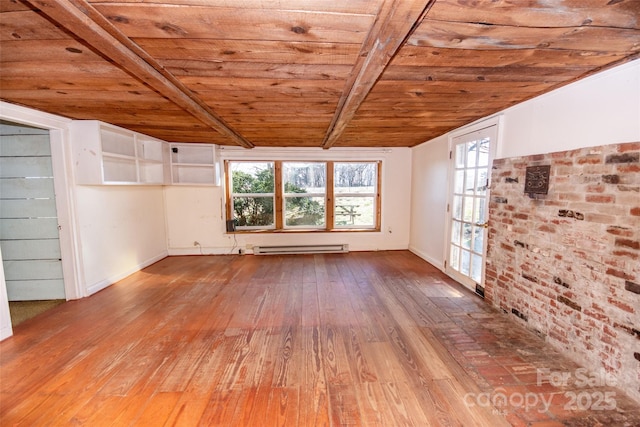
[[537, 179]]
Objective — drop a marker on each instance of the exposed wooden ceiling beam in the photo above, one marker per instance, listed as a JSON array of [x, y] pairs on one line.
[[395, 22], [81, 19]]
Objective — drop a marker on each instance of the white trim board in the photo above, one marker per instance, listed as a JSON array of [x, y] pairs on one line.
[[96, 287]]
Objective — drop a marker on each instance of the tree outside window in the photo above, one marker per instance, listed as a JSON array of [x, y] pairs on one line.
[[252, 194], [304, 194]]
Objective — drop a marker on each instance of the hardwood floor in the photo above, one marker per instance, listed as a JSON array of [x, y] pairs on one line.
[[375, 339]]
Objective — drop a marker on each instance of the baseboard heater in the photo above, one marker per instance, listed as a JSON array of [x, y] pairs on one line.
[[300, 249]]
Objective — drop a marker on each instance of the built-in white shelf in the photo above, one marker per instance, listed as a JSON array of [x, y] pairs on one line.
[[194, 164], [105, 154], [153, 160]]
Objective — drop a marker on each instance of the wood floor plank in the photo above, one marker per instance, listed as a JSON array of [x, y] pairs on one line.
[[344, 408], [361, 366], [403, 405], [283, 408], [288, 358], [310, 315], [337, 367], [314, 398], [104, 409], [384, 363], [253, 408], [358, 339], [188, 409], [51, 407], [223, 407], [374, 410], [158, 409], [261, 361], [235, 374]]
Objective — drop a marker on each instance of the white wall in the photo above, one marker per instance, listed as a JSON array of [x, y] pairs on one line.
[[599, 110], [121, 230], [430, 163], [602, 109], [197, 213]]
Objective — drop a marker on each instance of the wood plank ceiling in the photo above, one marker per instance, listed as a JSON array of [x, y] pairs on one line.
[[305, 73]]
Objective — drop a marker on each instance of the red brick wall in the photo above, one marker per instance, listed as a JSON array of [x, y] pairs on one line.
[[567, 264]]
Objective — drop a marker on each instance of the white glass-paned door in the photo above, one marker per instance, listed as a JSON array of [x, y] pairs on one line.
[[470, 173]]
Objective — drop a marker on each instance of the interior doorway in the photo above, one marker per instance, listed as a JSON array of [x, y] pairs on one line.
[[29, 230]]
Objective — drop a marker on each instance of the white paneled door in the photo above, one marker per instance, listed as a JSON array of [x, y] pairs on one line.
[[29, 234], [468, 206]]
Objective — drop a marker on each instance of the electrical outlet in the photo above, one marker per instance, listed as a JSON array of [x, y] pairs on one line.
[[196, 243]]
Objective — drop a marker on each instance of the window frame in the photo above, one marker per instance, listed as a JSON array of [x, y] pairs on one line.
[[330, 197]]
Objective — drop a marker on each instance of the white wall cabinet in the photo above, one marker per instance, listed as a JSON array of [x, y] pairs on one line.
[[107, 154], [194, 164], [153, 160]]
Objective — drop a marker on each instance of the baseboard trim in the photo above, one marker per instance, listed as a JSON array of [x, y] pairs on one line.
[[204, 251], [96, 287], [6, 332], [436, 263]]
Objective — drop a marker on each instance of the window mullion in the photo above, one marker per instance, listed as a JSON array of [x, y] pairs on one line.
[[378, 198], [357, 195], [329, 207], [279, 208], [292, 195], [229, 198], [253, 194]]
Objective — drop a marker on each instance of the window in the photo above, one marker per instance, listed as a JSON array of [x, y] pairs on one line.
[[252, 194], [303, 195], [355, 189]]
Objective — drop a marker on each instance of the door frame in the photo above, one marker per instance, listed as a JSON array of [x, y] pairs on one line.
[[497, 121], [64, 190], [6, 329]]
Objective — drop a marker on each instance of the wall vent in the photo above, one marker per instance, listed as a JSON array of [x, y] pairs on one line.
[[300, 249]]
